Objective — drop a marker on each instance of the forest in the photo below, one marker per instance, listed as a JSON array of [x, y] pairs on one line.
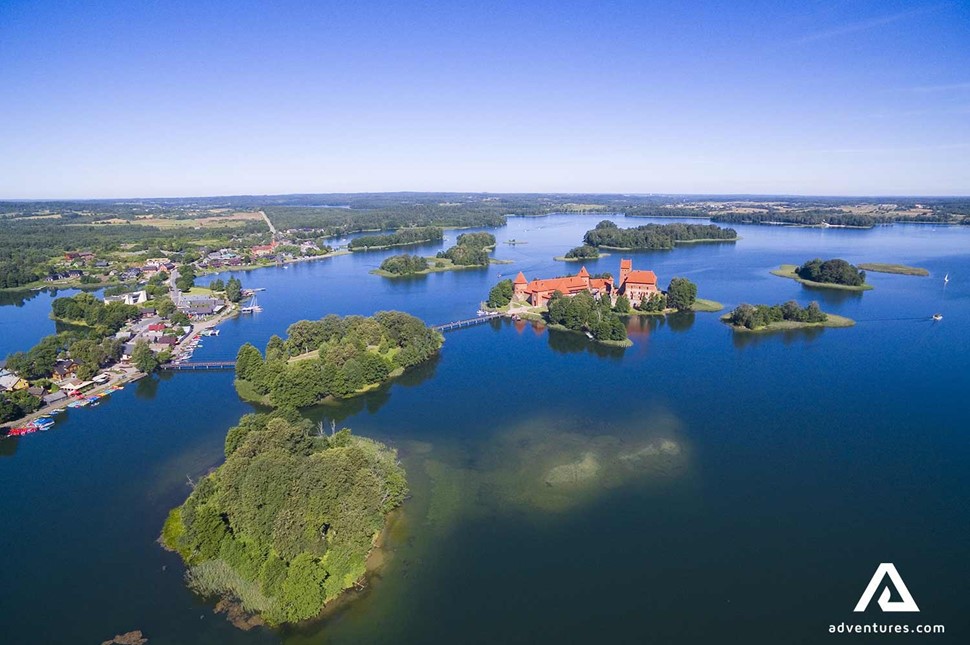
[[835, 271], [812, 217], [760, 316], [654, 236], [403, 237], [333, 357], [285, 525], [584, 252]]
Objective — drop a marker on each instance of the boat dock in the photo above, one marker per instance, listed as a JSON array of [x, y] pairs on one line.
[[199, 365]]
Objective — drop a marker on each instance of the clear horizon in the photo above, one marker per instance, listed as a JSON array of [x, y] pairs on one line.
[[117, 101]]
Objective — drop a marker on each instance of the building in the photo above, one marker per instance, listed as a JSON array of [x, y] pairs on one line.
[[636, 285], [633, 284], [12, 382], [264, 250], [133, 298]]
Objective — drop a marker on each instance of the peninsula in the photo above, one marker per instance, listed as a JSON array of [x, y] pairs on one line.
[[901, 269]]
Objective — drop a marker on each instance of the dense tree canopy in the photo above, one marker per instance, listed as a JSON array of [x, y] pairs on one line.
[[760, 316], [583, 312], [286, 523], [333, 356], [501, 294], [681, 294], [403, 237], [584, 252], [471, 249], [835, 271], [654, 236], [85, 308], [404, 264]]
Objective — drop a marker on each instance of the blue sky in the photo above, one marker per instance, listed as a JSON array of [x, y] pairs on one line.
[[115, 99]]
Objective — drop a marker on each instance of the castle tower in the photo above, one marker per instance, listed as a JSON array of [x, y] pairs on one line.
[[625, 267], [518, 286], [584, 274]]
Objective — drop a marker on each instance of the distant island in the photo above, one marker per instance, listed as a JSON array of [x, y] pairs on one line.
[[608, 235], [902, 269], [470, 252], [580, 253], [828, 274], [333, 358], [286, 524], [404, 237], [764, 318]]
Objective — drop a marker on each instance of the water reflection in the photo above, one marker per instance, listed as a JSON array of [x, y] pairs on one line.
[[147, 387], [8, 446], [17, 298], [571, 342], [832, 297], [788, 337]]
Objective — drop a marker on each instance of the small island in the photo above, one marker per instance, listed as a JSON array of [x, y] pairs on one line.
[[470, 252], [580, 253], [333, 358], [827, 274], [286, 524], [766, 318], [901, 269]]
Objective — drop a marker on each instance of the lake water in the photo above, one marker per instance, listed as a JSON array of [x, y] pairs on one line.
[[698, 487]]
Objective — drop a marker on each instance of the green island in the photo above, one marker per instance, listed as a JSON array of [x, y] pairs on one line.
[[901, 269], [580, 253], [655, 236], [470, 252], [403, 237], [827, 274], [333, 358], [288, 521], [790, 315]]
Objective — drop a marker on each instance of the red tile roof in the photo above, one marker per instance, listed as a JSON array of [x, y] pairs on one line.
[[641, 277], [520, 279]]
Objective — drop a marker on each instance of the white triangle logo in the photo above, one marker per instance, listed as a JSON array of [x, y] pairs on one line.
[[906, 602]]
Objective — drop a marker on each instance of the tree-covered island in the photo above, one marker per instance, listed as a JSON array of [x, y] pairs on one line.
[[608, 235], [790, 315], [470, 251], [404, 237], [829, 274], [286, 524], [580, 253], [333, 357]]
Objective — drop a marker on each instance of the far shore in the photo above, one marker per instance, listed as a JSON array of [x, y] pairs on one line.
[[788, 271]]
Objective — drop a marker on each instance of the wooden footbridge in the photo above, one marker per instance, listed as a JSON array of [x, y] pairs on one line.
[[468, 322], [230, 365], [204, 365]]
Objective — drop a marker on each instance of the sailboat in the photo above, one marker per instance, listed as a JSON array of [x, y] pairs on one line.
[[946, 279]]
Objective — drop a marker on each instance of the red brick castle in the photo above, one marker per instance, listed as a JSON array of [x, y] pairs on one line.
[[633, 284]]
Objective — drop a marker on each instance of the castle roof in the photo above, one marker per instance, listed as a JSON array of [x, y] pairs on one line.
[[641, 277], [520, 279], [583, 273], [626, 264]]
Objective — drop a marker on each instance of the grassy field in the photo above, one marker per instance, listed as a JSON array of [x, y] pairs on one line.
[[788, 271], [901, 269], [216, 221], [832, 321]]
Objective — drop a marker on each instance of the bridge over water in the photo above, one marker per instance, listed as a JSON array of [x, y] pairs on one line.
[[229, 365]]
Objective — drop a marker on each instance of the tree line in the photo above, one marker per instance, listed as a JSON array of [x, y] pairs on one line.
[[654, 236], [404, 264], [415, 235], [760, 316]]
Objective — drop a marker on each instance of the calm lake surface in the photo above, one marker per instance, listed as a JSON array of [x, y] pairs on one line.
[[726, 488]]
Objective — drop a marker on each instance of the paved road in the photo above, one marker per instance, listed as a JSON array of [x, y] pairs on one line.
[[272, 229]]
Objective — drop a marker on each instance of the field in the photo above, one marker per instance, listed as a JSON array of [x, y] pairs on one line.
[[235, 219]]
